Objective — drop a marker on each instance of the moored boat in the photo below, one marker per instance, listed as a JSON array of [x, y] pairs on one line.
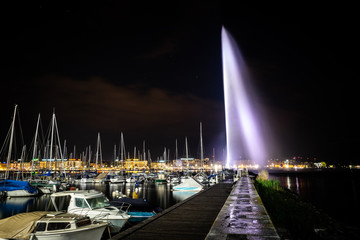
[[14, 188], [160, 178], [93, 204], [189, 184], [50, 226], [118, 179], [101, 178], [139, 209]]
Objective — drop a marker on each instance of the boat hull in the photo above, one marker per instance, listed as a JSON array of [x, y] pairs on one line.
[[117, 181], [116, 221], [115, 225], [20, 193], [140, 216], [95, 232], [190, 189], [87, 180]]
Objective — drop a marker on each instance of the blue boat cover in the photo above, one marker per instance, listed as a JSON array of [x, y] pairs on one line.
[[11, 185], [48, 174]]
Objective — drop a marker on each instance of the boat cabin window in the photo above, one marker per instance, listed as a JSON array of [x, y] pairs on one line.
[[98, 202], [80, 202], [40, 227], [58, 226]]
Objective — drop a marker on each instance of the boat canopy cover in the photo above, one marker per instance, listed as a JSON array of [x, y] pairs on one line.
[[101, 176], [20, 226], [11, 185]]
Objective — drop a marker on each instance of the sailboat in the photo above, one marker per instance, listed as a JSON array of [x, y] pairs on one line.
[[120, 178], [42, 185], [188, 183], [55, 158], [86, 178], [15, 188], [201, 176], [102, 177]]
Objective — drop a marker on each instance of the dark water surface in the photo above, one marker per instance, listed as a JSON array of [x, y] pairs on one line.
[[334, 191], [158, 194]]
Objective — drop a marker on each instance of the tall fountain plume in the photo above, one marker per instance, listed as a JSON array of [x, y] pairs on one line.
[[243, 135]]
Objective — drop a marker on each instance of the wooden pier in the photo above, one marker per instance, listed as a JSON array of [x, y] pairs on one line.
[[221, 212], [191, 219]]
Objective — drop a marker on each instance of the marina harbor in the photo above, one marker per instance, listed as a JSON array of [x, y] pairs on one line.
[[96, 202]]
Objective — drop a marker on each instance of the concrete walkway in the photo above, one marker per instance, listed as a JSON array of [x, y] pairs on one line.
[[243, 216]]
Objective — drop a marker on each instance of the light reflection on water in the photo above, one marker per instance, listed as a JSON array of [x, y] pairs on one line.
[[335, 191], [158, 194]]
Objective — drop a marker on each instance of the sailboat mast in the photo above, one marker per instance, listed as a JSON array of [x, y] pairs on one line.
[[51, 140], [176, 150], [97, 151], [63, 156], [89, 157], [134, 159], [187, 153], [149, 157], [121, 147], [75, 152], [58, 140], [10, 144], [201, 149], [114, 155], [164, 155], [100, 152], [176, 154], [186, 149], [35, 145], [122, 150], [144, 153], [22, 162]]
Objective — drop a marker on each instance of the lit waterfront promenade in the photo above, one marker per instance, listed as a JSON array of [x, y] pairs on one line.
[[243, 216], [214, 213]]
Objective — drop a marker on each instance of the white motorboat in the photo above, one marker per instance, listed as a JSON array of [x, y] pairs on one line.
[[189, 184], [118, 179], [93, 204], [50, 226]]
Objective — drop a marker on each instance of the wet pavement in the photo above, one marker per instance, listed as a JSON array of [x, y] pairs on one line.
[[243, 216]]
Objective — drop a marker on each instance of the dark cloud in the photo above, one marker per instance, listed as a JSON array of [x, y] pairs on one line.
[[95, 105]]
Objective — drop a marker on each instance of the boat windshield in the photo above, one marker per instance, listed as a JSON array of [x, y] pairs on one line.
[[98, 202]]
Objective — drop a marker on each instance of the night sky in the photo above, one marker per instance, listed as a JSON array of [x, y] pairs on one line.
[[153, 71]]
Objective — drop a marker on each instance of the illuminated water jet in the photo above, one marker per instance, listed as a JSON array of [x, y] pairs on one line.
[[243, 135]]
